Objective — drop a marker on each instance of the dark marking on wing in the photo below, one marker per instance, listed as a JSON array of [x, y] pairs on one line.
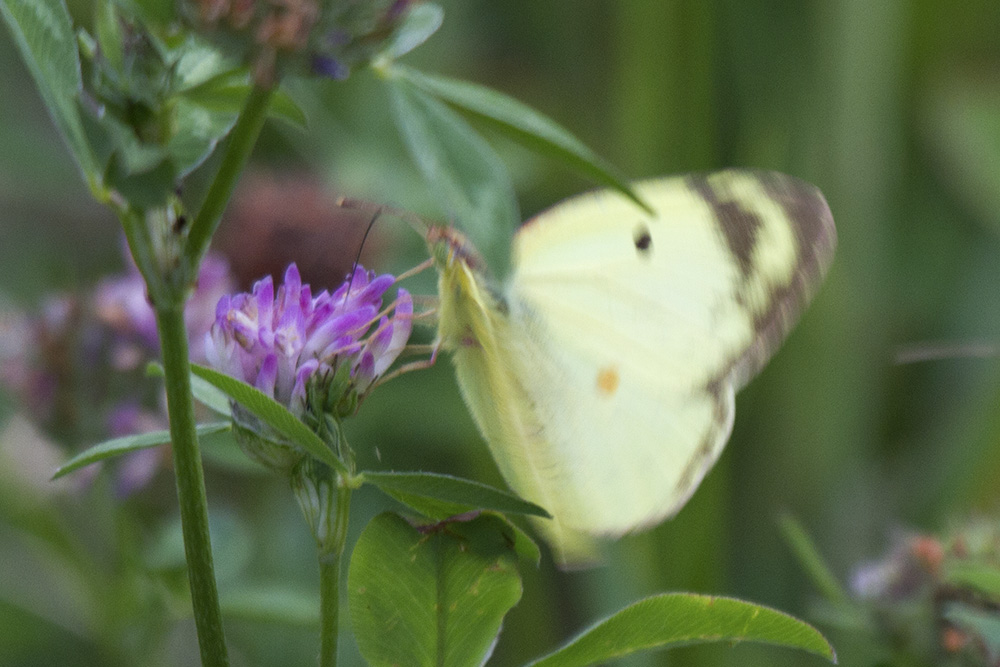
[[643, 240], [811, 225], [710, 446], [739, 226], [815, 237]]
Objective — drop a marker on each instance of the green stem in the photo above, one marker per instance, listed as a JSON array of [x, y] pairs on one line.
[[191, 485], [329, 578], [238, 148]]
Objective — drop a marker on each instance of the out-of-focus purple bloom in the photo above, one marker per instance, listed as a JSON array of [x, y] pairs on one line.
[[330, 67], [912, 566], [17, 336], [53, 362], [330, 38], [36, 355], [398, 9], [121, 303], [136, 469], [281, 342]]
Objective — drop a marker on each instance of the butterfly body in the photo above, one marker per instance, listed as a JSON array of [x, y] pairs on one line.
[[603, 372]]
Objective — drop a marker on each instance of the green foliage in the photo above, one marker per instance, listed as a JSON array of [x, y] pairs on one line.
[[126, 444], [433, 595], [468, 174], [227, 92], [679, 619], [43, 32], [210, 396], [521, 123], [441, 496], [271, 413], [980, 577], [890, 108], [810, 559], [421, 22]]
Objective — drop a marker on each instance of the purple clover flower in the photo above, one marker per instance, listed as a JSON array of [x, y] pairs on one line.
[[279, 342]]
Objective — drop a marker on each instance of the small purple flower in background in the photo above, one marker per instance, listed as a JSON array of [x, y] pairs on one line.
[[137, 469], [37, 359], [282, 342], [54, 362], [17, 374], [120, 303]]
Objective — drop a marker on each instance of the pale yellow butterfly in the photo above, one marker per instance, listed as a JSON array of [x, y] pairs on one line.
[[602, 373]]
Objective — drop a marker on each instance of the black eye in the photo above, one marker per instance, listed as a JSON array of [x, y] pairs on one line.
[[643, 240]]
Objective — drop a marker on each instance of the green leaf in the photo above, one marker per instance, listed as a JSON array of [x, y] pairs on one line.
[[227, 93], [525, 547], [273, 414], [434, 596], [460, 495], [523, 124], [197, 63], [422, 21], [681, 619], [205, 393], [128, 443], [981, 577], [811, 560], [460, 166], [208, 395], [200, 130], [44, 34], [109, 34], [152, 12]]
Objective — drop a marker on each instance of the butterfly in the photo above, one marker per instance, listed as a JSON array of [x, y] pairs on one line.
[[602, 371]]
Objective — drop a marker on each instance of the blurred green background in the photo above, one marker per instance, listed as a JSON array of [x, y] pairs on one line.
[[892, 108]]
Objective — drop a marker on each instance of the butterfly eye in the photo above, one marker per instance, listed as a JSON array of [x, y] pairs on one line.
[[643, 240]]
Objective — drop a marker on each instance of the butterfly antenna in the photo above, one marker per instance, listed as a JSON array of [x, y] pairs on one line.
[[357, 257], [418, 223]]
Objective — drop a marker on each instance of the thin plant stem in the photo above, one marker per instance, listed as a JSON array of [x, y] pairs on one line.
[[237, 151], [168, 297], [190, 478], [329, 579]]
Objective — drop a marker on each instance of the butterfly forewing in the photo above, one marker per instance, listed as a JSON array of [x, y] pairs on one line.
[[780, 232], [707, 286]]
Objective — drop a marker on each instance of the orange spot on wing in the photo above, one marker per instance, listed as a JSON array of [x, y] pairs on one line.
[[608, 380]]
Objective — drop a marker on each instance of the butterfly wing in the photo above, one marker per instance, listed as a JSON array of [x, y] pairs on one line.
[[604, 377]]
